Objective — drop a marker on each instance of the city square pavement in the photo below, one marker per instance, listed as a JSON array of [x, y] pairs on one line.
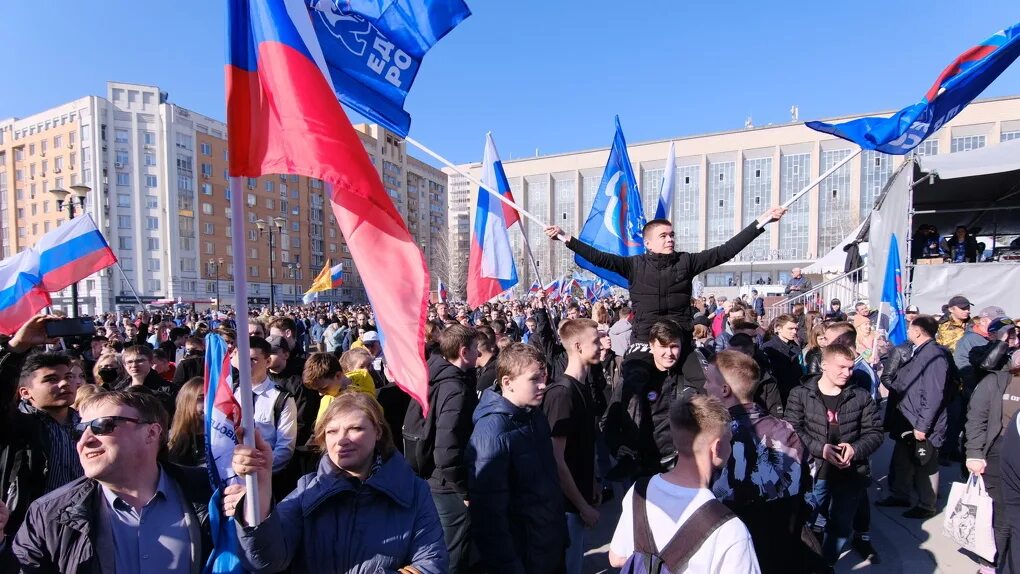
[[905, 545]]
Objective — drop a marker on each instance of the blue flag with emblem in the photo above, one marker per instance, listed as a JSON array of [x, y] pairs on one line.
[[962, 81], [616, 219], [373, 48], [892, 294]]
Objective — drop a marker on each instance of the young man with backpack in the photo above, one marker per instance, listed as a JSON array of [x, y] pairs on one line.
[[673, 518], [435, 445]]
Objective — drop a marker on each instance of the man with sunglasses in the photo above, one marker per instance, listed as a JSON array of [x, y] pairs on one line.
[[130, 512]]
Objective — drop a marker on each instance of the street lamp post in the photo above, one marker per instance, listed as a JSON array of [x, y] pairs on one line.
[[267, 227], [80, 191], [215, 264], [294, 268]]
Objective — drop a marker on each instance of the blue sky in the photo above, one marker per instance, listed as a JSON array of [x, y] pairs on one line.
[[545, 74]]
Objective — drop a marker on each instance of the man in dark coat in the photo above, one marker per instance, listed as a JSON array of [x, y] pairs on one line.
[[921, 384]]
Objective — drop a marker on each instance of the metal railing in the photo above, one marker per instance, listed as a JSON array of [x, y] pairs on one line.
[[848, 288]]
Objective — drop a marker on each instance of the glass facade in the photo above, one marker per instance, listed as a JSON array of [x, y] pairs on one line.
[[651, 186], [876, 169], [1009, 136], [538, 204], [967, 143], [794, 174], [686, 223], [721, 188], [756, 195], [589, 187], [834, 221], [565, 191]]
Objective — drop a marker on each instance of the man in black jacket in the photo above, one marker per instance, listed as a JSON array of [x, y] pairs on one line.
[[637, 421], [838, 423], [660, 279], [920, 383], [129, 509], [452, 400]]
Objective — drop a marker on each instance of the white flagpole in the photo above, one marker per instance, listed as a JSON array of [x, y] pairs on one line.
[[130, 286], [816, 181], [251, 500], [494, 192]]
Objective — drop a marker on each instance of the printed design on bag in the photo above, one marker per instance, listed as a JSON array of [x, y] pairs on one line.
[[965, 523]]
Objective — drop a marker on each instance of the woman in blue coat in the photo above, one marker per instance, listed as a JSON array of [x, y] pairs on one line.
[[364, 510]]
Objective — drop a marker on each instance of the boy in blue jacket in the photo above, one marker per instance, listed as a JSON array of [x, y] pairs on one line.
[[517, 518]]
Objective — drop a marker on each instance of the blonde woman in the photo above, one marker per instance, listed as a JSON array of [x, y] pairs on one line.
[[363, 493]]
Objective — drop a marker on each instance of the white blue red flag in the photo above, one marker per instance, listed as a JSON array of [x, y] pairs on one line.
[[662, 210], [284, 117], [552, 290], [536, 287], [336, 275], [441, 290], [222, 419], [962, 81], [491, 267], [21, 295], [617, 219], [71, 253]]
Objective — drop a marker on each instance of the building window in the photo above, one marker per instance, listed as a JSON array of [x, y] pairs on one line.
[[123, 178], [123, 200], [121, 157], [149, 138], [152, 264], [210, 229], [120, 135], [834, 218], [756, 195], [206, 149], [150, 181], [876, 169], [152, 223], [721, 199], [153, 243], [151, 202], [124, 244], [123, 222], [966, 143], [1009, 136], [794, 174], [150, 159], [251, 200], [929, 146]]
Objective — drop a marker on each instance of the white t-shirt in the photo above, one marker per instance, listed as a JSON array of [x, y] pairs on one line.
[[727, 551]]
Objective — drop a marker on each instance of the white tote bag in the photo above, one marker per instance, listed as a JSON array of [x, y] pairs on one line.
[[968, 517]]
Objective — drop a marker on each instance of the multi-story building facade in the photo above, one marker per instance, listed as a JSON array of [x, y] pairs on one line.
[[159, 193], [724, 181]]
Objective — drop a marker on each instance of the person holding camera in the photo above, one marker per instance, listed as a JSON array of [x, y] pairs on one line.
[[838, 423]]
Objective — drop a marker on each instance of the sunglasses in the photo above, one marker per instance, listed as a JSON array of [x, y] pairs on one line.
[[103, 426]]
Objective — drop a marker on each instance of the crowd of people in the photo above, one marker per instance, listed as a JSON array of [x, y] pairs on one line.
[[737, 444]]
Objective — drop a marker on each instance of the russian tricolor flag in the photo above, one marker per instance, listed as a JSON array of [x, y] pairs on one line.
[[336, 275], [222, 418], [552, 290], [21, 295], [491, 268], [71, 253], [284, 117], [444, 296]]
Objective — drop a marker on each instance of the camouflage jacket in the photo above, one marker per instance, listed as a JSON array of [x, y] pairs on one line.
[[950, 333], [768, 461]]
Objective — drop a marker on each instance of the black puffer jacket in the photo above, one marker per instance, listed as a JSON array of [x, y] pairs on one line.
[[858, 422], [516, 501], [455, 402], [660, 285]]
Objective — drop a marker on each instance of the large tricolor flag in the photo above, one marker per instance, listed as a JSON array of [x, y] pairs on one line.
[[499, 182], [962, 81], [491, 268], [668, 185], [372, 50], [222, 418], [21, 295], [617, 219], [71, 253], [284, 117]]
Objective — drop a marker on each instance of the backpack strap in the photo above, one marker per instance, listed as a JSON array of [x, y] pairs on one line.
[[279, 402], [693, 533], [643, 541]]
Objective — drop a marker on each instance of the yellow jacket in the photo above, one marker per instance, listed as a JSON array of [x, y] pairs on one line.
[[950, 333]]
